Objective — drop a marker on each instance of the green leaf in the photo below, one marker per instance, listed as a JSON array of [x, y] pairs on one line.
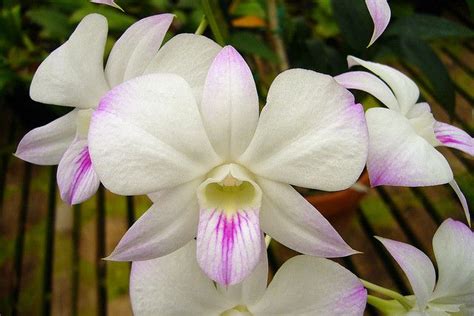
[[428, 27], [249, 8], [470, 4], [252, 44], [55, 25], [421, 55], [117, 20], [354, 22]]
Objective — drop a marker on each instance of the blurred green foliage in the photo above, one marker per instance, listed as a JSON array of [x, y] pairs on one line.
[[317, 34]]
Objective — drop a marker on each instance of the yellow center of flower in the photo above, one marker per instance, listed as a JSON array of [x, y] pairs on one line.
[[229, 188], [239, 310]]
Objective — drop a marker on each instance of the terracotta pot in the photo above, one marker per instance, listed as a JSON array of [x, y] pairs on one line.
[[334, 204]]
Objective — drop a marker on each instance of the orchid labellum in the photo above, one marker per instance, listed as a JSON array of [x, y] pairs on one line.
[[453, 293], [404, 135], [218, 171], [304, 285], [73, 75]]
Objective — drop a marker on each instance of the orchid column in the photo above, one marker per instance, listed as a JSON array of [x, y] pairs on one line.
[[219, 172]]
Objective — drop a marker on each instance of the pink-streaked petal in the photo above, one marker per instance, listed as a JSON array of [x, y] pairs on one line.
[[453, 246], [451, 136], [147, 135], [229, 106], [77, 179], [108, 2], [134, 50], [399, 156], [416, 266], [310, 133], [364, 81], [250, 290], [191, 63], [405, 90], [306, 285], [380, 13], [174, 285], [46, 145], [169, 224], [288, 218], [73, 74], [462, 199], [229, 246]]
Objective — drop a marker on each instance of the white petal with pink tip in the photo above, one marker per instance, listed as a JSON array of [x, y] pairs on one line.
[[229, 106], [417, 267], [47, 144], [134, 50], [166, 226], [452, 136], [399, 156], [310, 133], [380, 13]]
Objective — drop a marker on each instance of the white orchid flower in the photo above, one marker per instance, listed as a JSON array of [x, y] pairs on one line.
[[73, 75], [453, 246], [304, 285], [219, 171], [380, 13], [403, 137]]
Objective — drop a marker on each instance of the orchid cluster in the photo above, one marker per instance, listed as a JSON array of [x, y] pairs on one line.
[[181, 123]]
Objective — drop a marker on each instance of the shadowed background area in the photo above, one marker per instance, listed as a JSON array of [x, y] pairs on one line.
[[50, 252]]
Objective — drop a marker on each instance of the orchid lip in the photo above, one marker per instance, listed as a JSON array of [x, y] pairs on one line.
[[229, 187]]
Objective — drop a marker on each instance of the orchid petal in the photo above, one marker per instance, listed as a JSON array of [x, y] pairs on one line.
[[108, 2], [398, 156], [147, 135], [134, 50], [416, 266], [169, 224], [380, 13], [306, 285], [174, 285], [229, 247], [229, 240], [77, 179], [310, 133], [454, 137], [462, 199], [364, 81], [423, 122], [453, 246], [46, 145], [229, 106], [187, 55], [252, 288], [404, 88], [292, 221], [73, 74]]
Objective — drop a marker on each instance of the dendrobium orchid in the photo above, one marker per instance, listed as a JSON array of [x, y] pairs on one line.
[[403, 137], [453, 246], [218, 171], [304, 285], [73, 75]]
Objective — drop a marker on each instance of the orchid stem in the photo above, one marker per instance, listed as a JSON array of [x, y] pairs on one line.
[[202, 26], [378, 302], [392, 294], [210, 17]]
